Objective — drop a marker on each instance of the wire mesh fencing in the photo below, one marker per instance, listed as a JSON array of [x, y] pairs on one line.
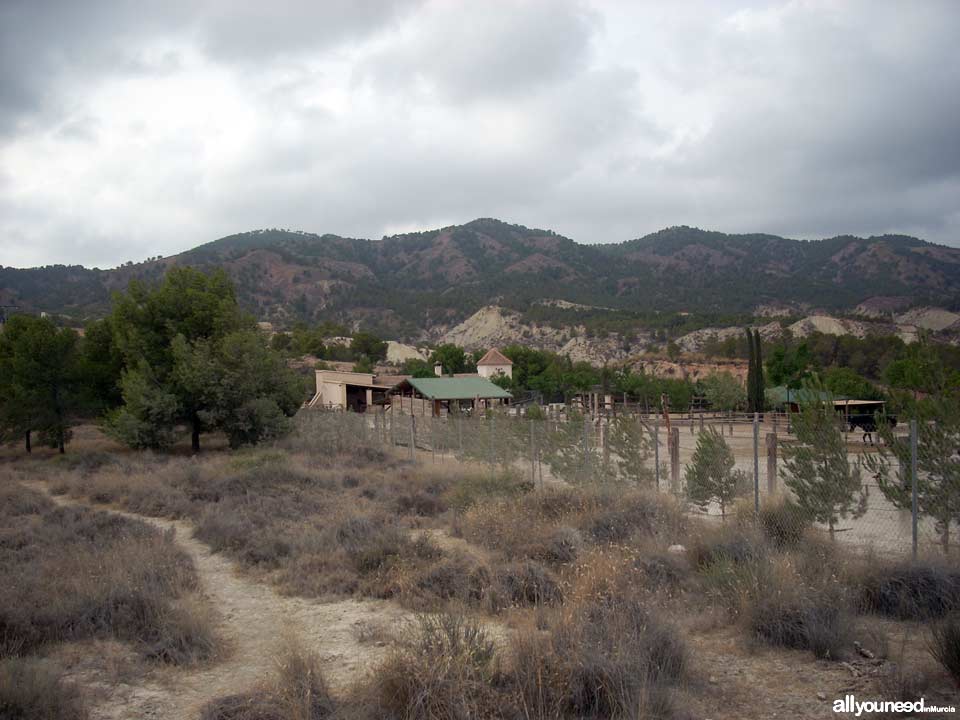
[[857, 491]]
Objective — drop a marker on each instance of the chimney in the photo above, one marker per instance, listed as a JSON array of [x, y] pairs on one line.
[[438, 369]]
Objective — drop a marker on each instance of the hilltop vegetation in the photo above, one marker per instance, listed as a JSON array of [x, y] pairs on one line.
[[414, 284]]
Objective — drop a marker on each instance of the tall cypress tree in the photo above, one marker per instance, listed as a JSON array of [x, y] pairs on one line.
[[758, 393], [751, 373]]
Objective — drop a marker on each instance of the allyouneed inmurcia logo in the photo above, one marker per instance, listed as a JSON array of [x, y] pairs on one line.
[[849, 704]]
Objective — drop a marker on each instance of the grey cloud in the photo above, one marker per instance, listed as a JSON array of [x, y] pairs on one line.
[[603, 122], [471, 51], [248, 31]]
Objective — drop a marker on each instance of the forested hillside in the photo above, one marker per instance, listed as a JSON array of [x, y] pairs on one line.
[[412, 284]]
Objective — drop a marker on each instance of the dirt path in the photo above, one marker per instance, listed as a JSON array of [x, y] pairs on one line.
[[253, 620]]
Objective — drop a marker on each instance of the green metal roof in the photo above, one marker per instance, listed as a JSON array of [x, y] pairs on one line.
[[447, 388]]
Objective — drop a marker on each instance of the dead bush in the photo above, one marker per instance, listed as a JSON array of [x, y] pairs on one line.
[[726, 545], [458, 577], [781, 607], [16, 501], [419, 502], [664, 572], [562, 545], [472, 488], [821, 627], [910, 591], [602, 660], [615, 518], [254, 705], [297, 692], [945, 646], [783, 523], [528, 583], [83, 573], [31, 690], [444, 668], [148, 496]]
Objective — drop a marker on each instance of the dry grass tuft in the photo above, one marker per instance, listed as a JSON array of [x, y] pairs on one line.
[[910, 591], [601, 660], [445, 667], [945, 646], [32, 690], [81, 573], [297, 692]]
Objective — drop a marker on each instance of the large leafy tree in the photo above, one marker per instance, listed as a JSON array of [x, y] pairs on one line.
[[790, 365], [847, 382], [245, 388], [451, 357], [827, 485], [191, 357], [723, 391], [40, 380]]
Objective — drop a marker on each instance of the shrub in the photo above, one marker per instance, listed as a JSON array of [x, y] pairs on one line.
[[783, 522], [726, 545], [562, 545], [819, 626], [617, 517], [297, 692], [472, 488], [529, 583], [444, 667], [601, 660], [16, 501], [456, 578], [910, 591], [664, 571], [419, 502], [945, 646], [253, 705], [83, 573], [31, 689]]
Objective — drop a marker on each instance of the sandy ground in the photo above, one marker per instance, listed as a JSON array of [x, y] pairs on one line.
[[254, 621]]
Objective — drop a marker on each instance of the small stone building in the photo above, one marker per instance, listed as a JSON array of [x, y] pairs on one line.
[[494, 363]]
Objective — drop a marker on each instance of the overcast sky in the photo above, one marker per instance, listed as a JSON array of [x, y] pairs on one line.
[[134, 129]]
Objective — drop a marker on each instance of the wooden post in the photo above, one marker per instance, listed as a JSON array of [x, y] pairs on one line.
[[675, 458], [413, 438], [701, 421], [771, 463]]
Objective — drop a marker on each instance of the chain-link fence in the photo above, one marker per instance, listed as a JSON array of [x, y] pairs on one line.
[[859, 490]]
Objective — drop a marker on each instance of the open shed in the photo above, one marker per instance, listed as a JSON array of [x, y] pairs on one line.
[[450, 392], [338, 390]]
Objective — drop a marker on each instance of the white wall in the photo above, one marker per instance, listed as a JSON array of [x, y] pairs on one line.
[[488, 371]]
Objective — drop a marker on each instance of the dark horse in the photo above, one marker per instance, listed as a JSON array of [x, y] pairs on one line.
[[868, 422]]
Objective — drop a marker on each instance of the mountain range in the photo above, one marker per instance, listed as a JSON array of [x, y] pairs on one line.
[[417, 285]]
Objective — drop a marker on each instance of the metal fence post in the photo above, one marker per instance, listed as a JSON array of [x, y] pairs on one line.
[[656, 450], [913, 479], [533, 453], [771, 463], [756, 462]]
